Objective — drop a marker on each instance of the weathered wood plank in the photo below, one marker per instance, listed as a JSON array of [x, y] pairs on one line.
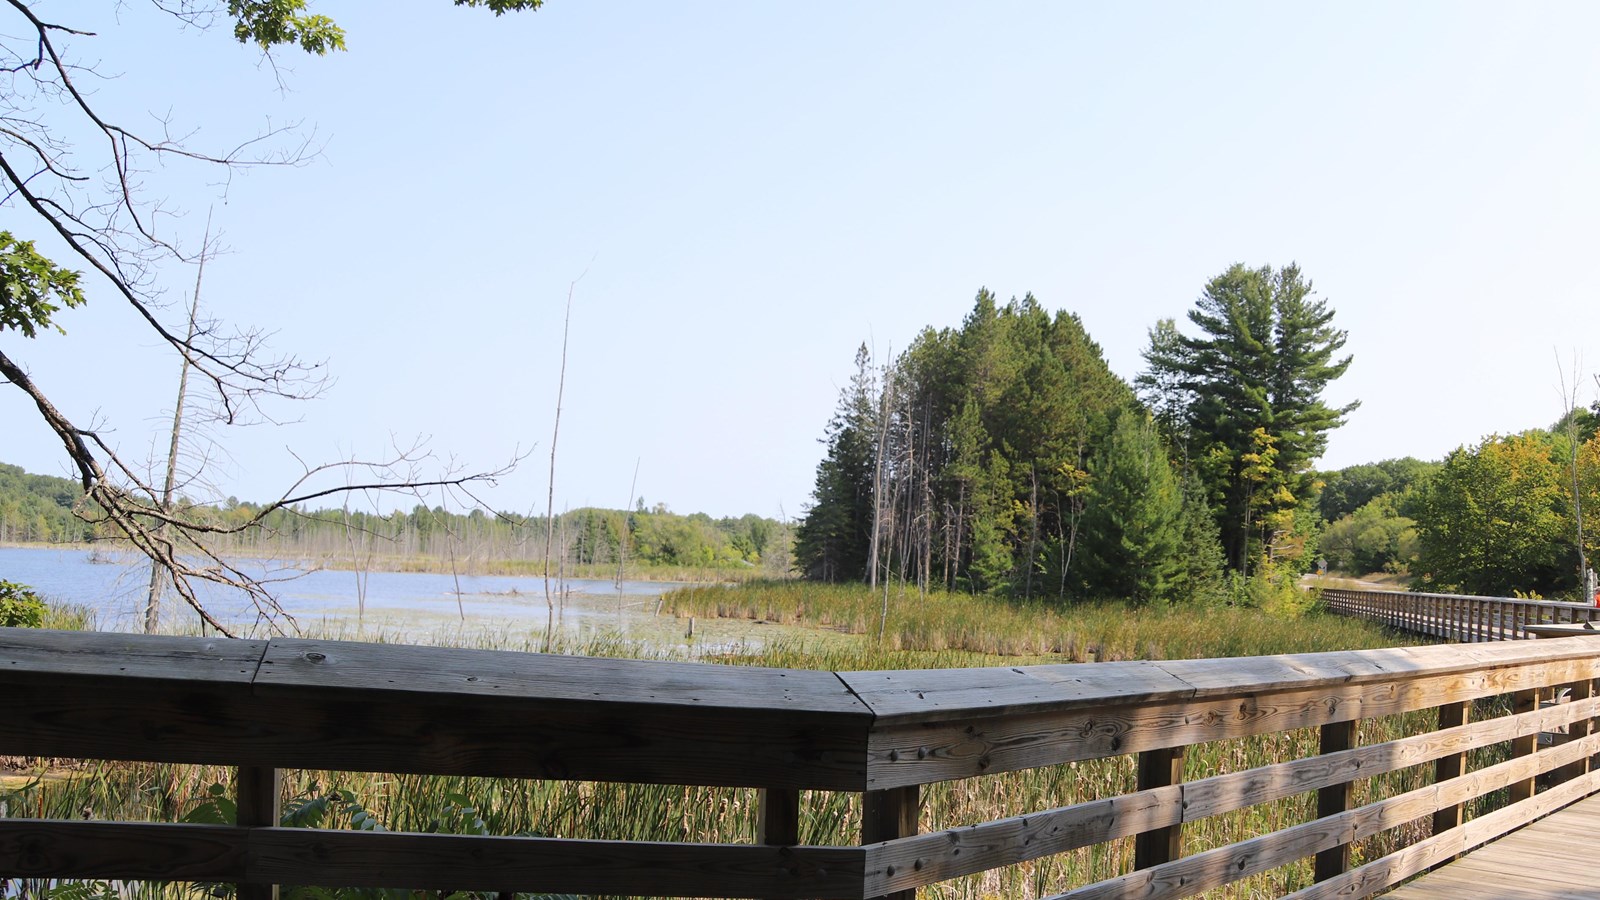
[[41, 848], [1484, 829], [1204, 871], [1579, 692], [479, 712], [943, 855], [1523, 701], [628, 868], [133, 718], [1450, 765], [778, 817], [1158, 769], [1335, 798], [934, 694], [1389, 870], [1238, 790], [501, 677], [887, 816], [912, 752], [1386, 871], [258, 793], [35, 656]]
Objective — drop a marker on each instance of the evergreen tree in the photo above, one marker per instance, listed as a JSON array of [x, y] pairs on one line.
[[978, 445], [1245, 397], [831, 541], [1200, 578], [1134, 521]]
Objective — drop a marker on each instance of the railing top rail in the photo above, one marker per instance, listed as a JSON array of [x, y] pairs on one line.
[[1379, 592], [507, 680], [934, 695], [814, 723]]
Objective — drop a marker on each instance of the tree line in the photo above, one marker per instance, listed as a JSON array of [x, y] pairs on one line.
[[1511, 514], [1005, 456], [44, 509]]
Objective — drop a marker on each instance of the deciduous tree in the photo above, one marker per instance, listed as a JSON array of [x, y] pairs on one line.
[[1491, 521]]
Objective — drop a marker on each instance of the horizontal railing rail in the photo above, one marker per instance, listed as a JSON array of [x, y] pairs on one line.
[[1458, 618], [267, 706]]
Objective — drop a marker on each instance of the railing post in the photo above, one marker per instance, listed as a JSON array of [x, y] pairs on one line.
[[258, 789], [1335, 799], [1521, 702], [778, 817], [886, 815], [1159, 768], [1577, 731], [1451, 715]]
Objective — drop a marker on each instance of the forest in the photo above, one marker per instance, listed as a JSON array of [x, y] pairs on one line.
[[1004, 456]]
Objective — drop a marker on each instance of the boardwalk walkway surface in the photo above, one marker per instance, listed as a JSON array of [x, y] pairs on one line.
[[1552, 859]]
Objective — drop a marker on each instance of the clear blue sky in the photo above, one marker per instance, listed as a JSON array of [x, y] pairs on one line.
[[755, 189]]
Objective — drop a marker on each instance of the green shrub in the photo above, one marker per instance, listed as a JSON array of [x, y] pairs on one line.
[[20, 607]]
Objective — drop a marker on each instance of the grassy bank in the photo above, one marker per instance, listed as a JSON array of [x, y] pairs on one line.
[[995, 627], [936, 631]]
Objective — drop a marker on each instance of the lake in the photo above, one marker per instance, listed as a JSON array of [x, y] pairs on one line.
[[317, 599]]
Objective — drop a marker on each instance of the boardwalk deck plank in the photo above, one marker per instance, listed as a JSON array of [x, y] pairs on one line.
[[1548, 860]]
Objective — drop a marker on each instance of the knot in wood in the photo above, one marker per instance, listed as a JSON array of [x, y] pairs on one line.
[[314, 656]]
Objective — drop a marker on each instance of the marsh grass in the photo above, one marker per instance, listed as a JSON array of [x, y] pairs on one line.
[[940, 630], [990, 626]]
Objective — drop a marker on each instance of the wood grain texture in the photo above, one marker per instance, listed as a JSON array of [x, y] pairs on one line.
[[886, 816], [1390, 870], [1450, 765], [1211, 869], [38, 848], [778, 817], [258, 793], [1206, 871], [1335, 798], [940, 856], [912, 752], [1158, 769], [360, 707], [333, 705], [501, 677], [33, 656], [1540, 861], [627, 868]]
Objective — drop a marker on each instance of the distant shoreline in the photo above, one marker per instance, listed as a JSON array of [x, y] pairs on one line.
[[443, 566]]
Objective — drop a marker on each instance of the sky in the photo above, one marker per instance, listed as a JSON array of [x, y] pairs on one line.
[[736, 196]]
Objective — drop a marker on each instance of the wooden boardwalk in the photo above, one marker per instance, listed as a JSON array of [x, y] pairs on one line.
[[1552, 859], [272, 706]]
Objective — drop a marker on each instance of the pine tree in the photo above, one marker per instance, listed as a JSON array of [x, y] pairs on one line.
[[832, 540], [1134, 521], [1245, 397]]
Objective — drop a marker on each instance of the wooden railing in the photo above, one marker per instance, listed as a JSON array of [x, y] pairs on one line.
[[265, 706], [1456, 617]]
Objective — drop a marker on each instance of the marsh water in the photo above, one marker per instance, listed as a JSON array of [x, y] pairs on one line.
[[393, 605]]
